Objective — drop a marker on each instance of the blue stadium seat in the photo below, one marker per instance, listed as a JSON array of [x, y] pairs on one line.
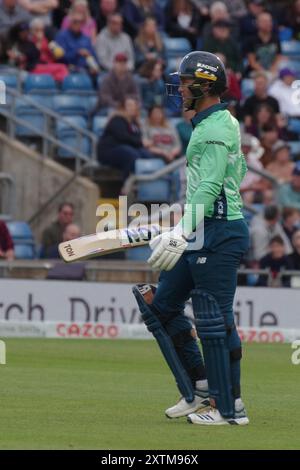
[[100, 78], [21, 234], [162, 3], [92, 100], [78, 83], [43, 100], [294, 148], [172, 64], [99, 123], [68, 135], [247, 87], [294, 125], [176, 47], [43, 83], [24, 251], [292, 64], [285, 34], [32, 115], [175, 121], [71, 105], [20, 231], [159, 190], [9, 79], [290, 48], [141, 253]]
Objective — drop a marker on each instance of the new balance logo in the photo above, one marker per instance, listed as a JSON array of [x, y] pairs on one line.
[[201, 260]]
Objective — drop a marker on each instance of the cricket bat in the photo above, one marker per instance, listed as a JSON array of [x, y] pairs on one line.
[[103, 243]]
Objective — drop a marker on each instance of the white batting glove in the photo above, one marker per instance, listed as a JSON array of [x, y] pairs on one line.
[[167, 249]]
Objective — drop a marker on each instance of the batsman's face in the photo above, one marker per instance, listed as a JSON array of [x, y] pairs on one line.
[[185, 92]]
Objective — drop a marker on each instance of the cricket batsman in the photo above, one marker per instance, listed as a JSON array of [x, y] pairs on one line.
[[207, 273]]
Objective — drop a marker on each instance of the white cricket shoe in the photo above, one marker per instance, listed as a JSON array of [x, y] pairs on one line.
[[214, 417], [183, 408]]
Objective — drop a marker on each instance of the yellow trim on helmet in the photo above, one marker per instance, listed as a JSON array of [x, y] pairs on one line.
[[208, 76]]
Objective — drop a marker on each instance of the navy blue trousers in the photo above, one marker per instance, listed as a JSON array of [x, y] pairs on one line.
[[212, 269]]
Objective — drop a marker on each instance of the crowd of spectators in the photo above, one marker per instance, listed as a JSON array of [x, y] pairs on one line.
[[120, 44]]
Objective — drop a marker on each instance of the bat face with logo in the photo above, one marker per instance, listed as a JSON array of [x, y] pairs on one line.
[[103, 243]]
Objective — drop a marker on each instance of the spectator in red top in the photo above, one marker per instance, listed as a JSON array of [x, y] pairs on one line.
[[6, 243], [49, 53]]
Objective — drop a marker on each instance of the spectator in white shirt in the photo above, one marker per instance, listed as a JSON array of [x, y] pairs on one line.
[[286, 95]]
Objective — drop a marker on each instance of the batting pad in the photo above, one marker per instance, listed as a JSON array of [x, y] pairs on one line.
[[213, 335], [142, 293]]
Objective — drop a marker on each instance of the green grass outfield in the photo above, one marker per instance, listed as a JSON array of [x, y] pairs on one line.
[[89, 394]]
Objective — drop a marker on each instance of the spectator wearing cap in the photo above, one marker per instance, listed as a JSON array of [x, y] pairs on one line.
[[282, 166], [283, 92], [289, 193], [117, 84], [219, 40], [275, 260], [263, 228], [148, 43], [260, 96], [6, 243], [111, 41], [79, 53], [11, 13], [264, 50]]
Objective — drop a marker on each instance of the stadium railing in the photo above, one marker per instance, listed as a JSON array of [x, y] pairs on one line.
[[126, 271], [9, 112], [131, 184]]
